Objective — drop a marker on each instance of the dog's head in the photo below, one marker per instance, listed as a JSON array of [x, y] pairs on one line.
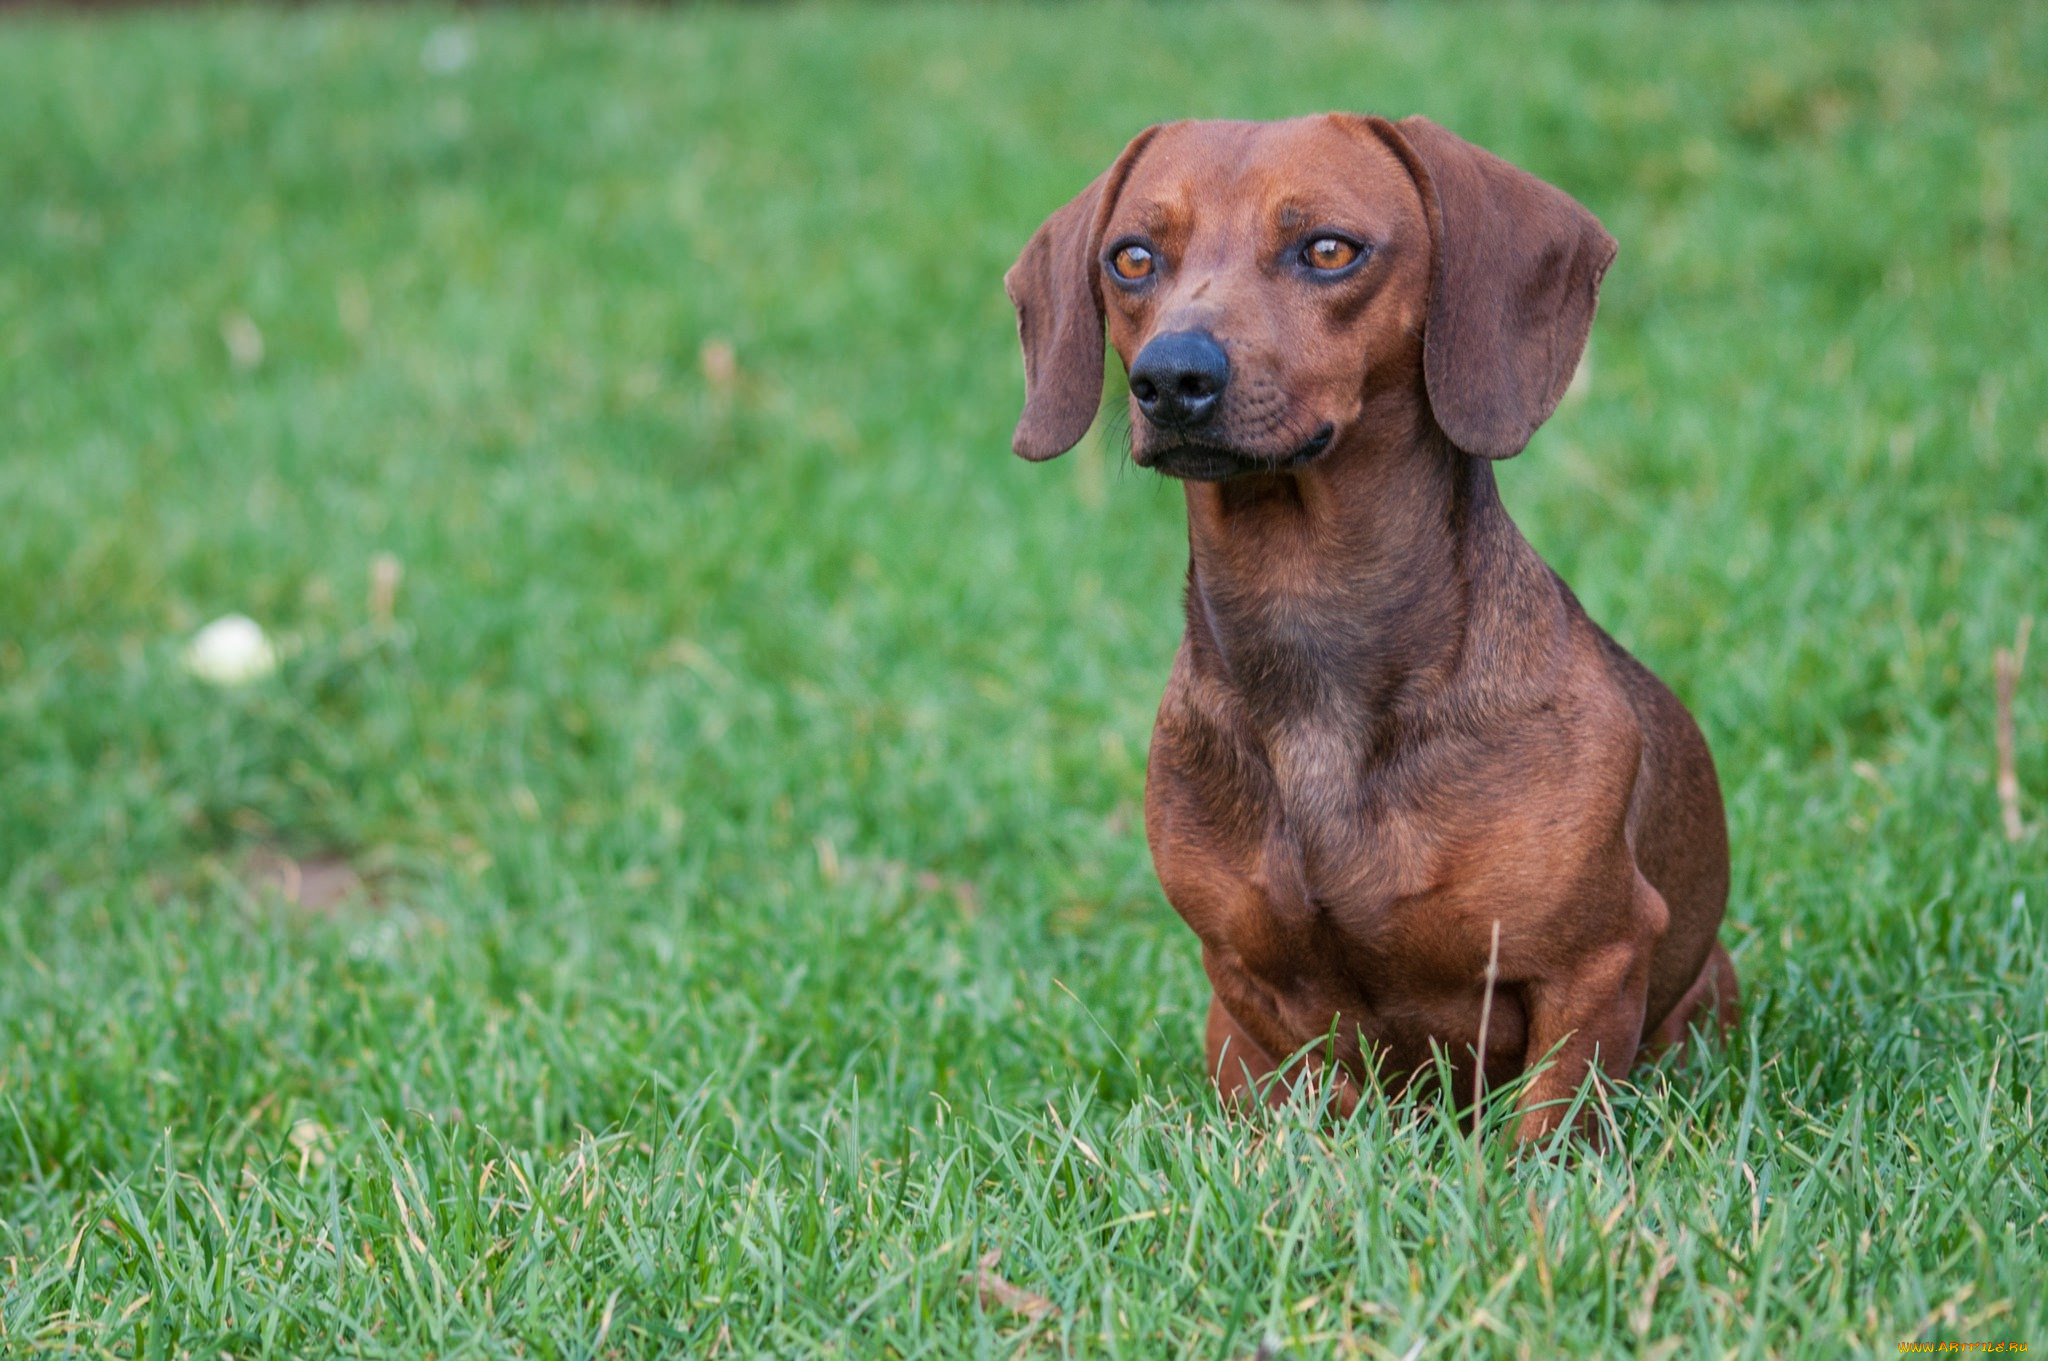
[[1262, 281]]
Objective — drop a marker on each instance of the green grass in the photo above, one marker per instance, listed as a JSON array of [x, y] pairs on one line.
[[749, 779]]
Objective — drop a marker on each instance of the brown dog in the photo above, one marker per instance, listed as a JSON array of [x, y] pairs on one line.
[[1407, 794]]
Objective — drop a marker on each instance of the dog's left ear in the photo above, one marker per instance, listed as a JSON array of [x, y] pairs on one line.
[[1516, 279], [1056, 287]]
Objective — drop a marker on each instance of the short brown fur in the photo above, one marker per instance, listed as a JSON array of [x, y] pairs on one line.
[[1390, 726]]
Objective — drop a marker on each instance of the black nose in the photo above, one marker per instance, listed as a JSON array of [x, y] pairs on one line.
[[1179, 378]]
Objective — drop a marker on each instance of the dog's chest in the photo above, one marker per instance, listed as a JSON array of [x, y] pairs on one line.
[[1342, 840], [1315, 763], [1325, 830], [1277, 829]]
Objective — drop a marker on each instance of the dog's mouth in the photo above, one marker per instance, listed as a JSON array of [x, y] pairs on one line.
[[1195, 460]]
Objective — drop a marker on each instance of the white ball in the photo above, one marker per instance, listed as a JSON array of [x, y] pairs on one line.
[[230, 651]]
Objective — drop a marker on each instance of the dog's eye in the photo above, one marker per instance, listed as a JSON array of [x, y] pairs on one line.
[[1132, 262], [1330, 252]]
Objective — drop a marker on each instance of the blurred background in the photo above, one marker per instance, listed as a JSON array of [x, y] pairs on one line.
[[674, 705]]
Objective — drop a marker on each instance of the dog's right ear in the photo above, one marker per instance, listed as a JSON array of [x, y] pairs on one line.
[[1056, 287]]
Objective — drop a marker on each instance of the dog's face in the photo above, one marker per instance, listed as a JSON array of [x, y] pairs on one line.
[[1263, 281], [1257, 279]]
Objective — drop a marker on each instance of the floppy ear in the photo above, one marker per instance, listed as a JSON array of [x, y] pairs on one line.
[[1056, 287], [1516, 279]]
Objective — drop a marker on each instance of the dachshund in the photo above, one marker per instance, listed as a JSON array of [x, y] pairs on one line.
[[1416, 805]]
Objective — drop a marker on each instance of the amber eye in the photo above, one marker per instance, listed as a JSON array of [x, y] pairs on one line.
[[1132, 262], [1330, 252]]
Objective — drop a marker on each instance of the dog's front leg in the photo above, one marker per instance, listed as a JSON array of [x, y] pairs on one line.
[[1588, 1018], [1238, 1064], [1242, 1069]]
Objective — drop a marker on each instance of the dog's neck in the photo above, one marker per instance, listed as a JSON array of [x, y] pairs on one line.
[[1346, 594]]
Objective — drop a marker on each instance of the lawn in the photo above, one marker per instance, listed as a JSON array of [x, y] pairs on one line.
[[737, 756]]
